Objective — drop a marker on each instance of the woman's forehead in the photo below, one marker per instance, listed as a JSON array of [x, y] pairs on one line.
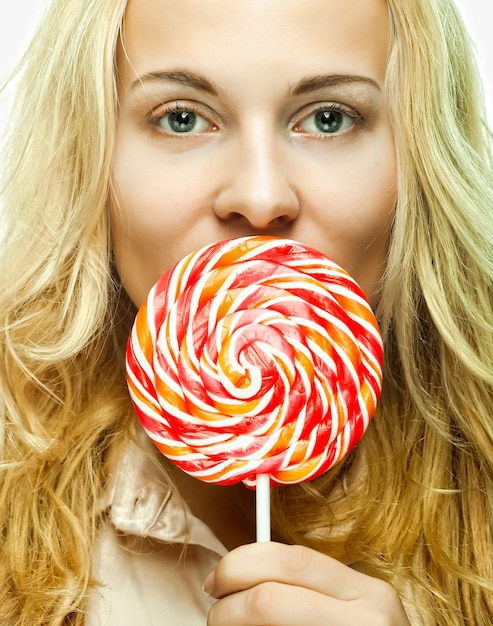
[[246, 36]]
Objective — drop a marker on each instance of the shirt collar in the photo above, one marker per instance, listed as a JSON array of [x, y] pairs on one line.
[[140, 502]]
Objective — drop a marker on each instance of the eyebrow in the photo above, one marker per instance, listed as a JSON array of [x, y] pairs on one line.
[[189, 79], [304, 86], [315, 83]]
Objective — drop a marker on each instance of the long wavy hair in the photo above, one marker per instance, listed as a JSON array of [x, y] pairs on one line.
[[413, 504]]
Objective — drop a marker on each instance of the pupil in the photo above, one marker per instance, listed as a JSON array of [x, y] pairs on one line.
[[182, 121], [329, 121]]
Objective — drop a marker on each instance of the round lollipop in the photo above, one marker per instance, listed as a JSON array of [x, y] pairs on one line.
[[255, 356]]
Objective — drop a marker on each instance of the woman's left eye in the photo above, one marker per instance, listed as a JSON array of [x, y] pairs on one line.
[[182, 121], [329, 120]]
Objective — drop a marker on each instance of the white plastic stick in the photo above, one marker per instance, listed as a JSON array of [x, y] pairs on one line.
[[263, 507]]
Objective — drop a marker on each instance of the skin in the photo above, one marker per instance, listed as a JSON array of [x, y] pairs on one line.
[[256, 162], [272, 584], [242, 117]]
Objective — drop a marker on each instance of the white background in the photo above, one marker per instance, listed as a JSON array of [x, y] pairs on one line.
[[17, 20]]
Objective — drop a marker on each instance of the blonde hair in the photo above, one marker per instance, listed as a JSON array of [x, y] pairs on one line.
[[414, 503], [63, 399], [416, 506]]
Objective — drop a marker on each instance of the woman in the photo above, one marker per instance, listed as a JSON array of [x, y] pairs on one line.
[[143, 131]]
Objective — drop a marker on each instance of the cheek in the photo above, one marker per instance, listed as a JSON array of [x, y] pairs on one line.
[[159, 193], [376, 194], [139, 191], [361, 207], [138, 230], [371, 189], [359, 191], [157, 208]]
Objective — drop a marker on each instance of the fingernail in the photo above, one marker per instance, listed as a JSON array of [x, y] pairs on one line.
[[208, 586]]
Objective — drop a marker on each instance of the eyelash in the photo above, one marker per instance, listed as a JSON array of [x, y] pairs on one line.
[[352, 114], [349, 113], [177, 108]]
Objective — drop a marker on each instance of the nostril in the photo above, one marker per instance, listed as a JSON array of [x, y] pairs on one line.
[[283, 219], [232, 216], [260, 222]]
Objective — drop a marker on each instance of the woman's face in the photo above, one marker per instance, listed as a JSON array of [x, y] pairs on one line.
[[242, 117]]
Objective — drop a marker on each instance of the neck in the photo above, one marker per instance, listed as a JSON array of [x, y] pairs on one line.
[[228, 510]]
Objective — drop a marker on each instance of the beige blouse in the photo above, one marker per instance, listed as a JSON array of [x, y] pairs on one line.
[[153, 555], [147, 576]]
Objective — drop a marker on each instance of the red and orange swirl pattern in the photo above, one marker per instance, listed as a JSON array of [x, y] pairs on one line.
[[255, 356]]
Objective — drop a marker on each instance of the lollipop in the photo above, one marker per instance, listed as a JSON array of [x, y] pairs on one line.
[[255, 357]]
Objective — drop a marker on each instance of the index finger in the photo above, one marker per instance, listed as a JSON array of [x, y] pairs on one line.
[[252, 564]]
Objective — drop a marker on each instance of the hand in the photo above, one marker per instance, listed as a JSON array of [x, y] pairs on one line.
[[271, 584]]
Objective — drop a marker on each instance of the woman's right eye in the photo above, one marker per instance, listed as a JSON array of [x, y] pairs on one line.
[[182, 121]]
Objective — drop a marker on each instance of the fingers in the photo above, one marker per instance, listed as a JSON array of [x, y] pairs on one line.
[[274, 604], [270, 584], [292, 565]]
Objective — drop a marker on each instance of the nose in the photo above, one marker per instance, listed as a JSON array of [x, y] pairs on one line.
[[257, 185]]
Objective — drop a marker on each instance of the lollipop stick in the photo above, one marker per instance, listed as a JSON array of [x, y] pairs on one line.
[[263, 507]]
